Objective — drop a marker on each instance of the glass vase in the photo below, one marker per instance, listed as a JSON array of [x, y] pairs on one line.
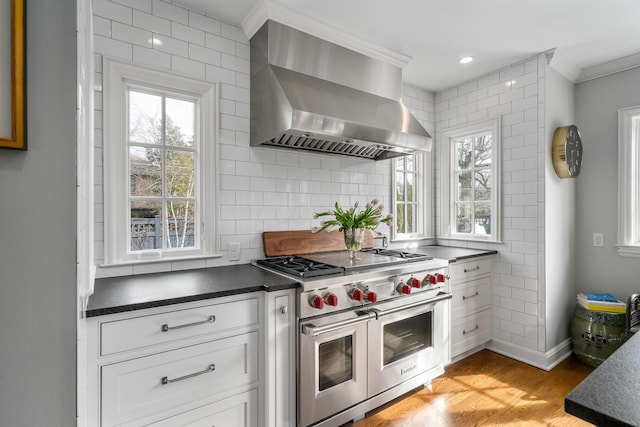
[[353, 241]]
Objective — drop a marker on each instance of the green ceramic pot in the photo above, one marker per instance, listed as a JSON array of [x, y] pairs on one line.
[[596, 335]]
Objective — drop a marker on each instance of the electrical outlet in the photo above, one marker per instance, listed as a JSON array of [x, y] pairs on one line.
[[234, 251], [598, 240]]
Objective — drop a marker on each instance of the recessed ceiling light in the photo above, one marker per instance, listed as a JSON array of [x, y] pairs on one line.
[[466, 59]]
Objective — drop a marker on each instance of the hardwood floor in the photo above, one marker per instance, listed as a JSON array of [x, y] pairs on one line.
[[487, 389]]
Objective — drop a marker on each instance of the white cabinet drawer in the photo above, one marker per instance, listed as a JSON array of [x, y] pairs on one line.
[[238, 411], [139, 332], [470, 332], [460, 271], [175, 380], [470, 297]]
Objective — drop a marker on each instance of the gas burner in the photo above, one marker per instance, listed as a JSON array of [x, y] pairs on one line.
[[300, 266], [400, 254]]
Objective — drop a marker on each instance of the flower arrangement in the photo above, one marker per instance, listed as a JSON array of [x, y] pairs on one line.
[[351, 218]]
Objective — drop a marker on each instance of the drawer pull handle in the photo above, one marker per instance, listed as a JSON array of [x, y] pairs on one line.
[[470, 296], [467, 270], [210, 368], [464, 332], [167, 328]]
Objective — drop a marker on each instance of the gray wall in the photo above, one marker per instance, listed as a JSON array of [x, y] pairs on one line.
[[37, 233], [597, 103]]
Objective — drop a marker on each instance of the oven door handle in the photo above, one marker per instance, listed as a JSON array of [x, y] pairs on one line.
[[312, 330], [438, 298]]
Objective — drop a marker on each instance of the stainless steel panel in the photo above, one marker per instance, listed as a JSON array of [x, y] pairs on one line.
[[381, 376], [313, 95], [315, 404]]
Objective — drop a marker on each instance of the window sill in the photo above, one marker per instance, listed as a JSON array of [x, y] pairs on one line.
[[148, 266], [632, 251], [471, 239]]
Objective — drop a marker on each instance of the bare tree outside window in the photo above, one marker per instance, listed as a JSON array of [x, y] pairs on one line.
[[162, 159], [473, 178]]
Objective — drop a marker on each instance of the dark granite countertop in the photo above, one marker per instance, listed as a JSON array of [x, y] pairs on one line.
[[609, 395], [127, 293], [452, 253]]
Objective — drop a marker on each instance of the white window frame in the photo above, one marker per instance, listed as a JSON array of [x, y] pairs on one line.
[[117, 77], [629, 182], [423, 182], [448, 183]]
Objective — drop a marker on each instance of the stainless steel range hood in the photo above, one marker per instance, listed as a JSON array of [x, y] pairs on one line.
[[310, 94]]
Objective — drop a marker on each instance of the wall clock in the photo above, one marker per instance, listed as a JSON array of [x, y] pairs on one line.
[[566, 151]]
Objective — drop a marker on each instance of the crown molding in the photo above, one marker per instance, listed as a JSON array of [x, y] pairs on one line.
[[566, 68], [611, 67], [264, 10]]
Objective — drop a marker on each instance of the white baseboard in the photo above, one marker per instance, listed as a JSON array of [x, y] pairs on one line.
[[546, 361]]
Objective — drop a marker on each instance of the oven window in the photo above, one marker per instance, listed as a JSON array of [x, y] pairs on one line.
[[335, 362], [406, 337]]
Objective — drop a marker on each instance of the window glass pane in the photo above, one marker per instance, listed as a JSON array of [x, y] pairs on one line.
[[411, 223], [145, 171], [399, 163], [145, 118], [483, 150], [482, 218], [463, 217], [399, 218], [146, 225], [411, 187], [464, 186], [410, 164], [180, 123], [399, 186], [463, 149], [180, 178], [180, 224], [482, 184]]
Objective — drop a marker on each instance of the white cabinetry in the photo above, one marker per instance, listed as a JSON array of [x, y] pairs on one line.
[[192, 364], [471, 305], [280, 359]]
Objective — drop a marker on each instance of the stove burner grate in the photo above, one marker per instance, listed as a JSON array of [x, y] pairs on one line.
[[409, 256], [299, 266]]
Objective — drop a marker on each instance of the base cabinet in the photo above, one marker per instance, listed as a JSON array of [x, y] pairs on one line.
[[192, 364], [280, 359], [471, 304]]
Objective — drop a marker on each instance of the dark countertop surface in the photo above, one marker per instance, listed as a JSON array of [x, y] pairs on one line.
[[609, 395], [127, 293], [451, 253]]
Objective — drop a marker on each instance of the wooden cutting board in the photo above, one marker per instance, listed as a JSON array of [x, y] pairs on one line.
[[277, 243]]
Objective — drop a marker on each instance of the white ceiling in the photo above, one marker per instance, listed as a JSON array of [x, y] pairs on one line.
[[435, 34]]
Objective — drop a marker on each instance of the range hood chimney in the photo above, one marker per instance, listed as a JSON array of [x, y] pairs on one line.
[[310, 94]]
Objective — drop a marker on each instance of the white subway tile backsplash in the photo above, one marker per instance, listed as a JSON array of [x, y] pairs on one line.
[[204, 23], [102, 26], [170, 11], [113, 48], [221, 44], [143, 5], [112, 11], [188, 34], [152, 23], [188, 67]]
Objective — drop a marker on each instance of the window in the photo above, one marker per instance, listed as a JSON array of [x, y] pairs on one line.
[[629, 182], [159, 196], [412, 188], [470, 177]]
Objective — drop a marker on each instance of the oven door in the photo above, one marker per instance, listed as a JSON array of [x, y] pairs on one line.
[[409, 337], [332, 365]]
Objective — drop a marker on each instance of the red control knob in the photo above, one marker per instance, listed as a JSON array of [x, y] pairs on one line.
[[441, 277], [316, 301], [432, 279], [331, 299], [357, 294], [404, 289], [414, 282], [371, 296]]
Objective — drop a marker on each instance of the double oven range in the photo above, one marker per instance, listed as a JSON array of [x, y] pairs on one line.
[[369, 330]]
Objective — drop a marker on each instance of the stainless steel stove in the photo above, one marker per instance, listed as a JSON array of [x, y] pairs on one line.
[[369, 330]]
